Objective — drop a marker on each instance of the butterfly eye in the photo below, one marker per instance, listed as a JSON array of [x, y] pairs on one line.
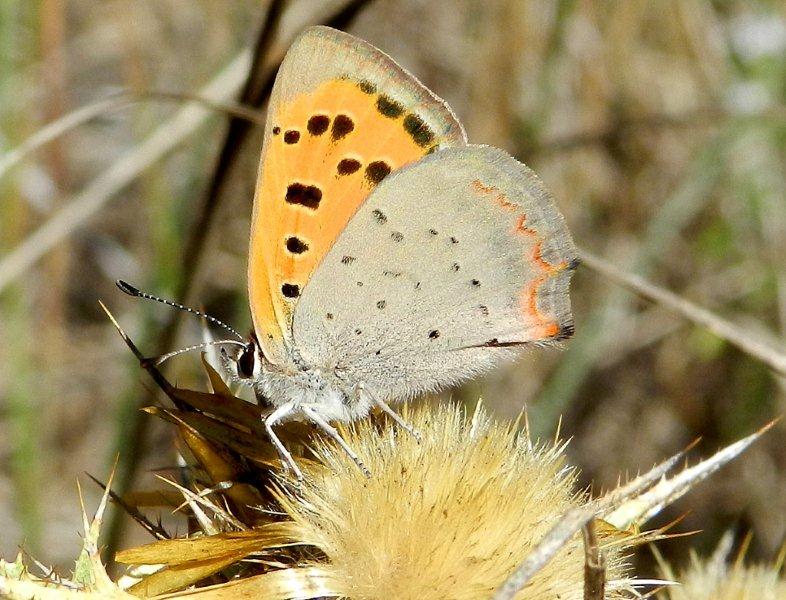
[[245, 364]]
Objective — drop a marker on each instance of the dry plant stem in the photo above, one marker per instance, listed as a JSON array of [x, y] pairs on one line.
[[52, 131], [594, 565], [146, 363], [84, 205], [234, 109], [153, 529], [735, 335], [551, 543], [120, 100]]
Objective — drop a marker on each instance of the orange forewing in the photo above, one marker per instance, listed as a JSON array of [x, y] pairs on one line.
[[328, 149]]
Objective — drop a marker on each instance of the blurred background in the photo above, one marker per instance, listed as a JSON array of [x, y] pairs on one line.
[[659, 126]]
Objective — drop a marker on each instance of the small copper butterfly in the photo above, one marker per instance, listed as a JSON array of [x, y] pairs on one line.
[[388, 257]]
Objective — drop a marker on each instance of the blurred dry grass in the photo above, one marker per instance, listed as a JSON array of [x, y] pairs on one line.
[[658, 125]]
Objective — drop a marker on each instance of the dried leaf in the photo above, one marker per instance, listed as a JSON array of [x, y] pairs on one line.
[[238, 544]]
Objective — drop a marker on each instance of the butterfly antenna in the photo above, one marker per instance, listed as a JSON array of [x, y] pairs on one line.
[[169, 355], [129, 289]]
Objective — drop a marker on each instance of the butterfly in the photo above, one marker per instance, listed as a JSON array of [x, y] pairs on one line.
[[388, 257]]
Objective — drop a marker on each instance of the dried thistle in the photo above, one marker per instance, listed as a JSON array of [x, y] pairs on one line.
[[450, 517], [88, 581], [715, 578]]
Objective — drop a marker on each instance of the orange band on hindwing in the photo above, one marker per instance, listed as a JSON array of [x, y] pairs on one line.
[[544, 326]]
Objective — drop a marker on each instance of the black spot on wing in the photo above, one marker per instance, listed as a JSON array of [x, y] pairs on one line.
[[290, 290], [295, 245], [377, 171], [347, 166], [318, 124], [367, 87], [420, 132], [389, 108], [291, 136], [379, 216], [304, 195], [342, 126]]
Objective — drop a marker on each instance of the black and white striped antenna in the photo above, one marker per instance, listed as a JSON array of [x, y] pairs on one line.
[[129, 289]]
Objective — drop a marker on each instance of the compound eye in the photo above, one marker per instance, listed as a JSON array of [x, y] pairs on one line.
[[245, 364]]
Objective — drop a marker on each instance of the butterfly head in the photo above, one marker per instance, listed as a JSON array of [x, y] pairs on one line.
[[249, 362]]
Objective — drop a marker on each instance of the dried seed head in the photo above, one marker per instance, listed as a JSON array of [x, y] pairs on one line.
[[450, 517], [722, 578]]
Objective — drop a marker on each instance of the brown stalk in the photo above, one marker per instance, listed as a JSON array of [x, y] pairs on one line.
[[594, 564], [753, 345]]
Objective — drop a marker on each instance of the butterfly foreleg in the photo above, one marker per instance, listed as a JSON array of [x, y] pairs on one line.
[[275, 417], [322, 423], [393, 414]]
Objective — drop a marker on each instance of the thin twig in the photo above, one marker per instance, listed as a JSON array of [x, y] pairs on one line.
[[104, 187], [116, 101], [753, 345], [146, 363], [156, 530], [52, 131], [594, 564], [234, 109]]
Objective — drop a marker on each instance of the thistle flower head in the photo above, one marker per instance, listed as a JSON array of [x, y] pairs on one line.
[[717, 578], [450, 517]]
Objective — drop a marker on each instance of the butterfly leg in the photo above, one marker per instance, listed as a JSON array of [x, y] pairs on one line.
[[286, 458], [395, 416], [331, 431]]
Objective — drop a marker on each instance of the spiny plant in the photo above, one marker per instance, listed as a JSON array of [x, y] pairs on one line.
[[475, 509]]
